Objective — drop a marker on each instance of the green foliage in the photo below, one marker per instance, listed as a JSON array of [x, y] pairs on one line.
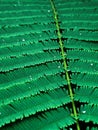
[[48, 65]]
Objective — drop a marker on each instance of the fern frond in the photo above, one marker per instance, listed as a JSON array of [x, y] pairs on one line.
[[83, 55], [23, 61], [83, 67], [33, 87], [81, 34], [90, 80], [31, 105], [89, 113], [48, 64], [82, 94], [24, 75], [83, 45], [53, 119]]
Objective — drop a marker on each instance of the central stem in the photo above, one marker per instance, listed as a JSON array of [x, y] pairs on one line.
[[65, 65]]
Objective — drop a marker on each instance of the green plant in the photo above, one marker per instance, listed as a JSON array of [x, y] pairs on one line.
[[48, 65]]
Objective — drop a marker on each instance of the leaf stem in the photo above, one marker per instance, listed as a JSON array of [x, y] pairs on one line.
[[65, 64]]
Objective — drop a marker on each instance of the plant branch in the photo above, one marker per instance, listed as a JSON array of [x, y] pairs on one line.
[[65, 64]]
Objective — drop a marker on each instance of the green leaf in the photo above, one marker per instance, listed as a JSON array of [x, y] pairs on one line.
[[48, 64]]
